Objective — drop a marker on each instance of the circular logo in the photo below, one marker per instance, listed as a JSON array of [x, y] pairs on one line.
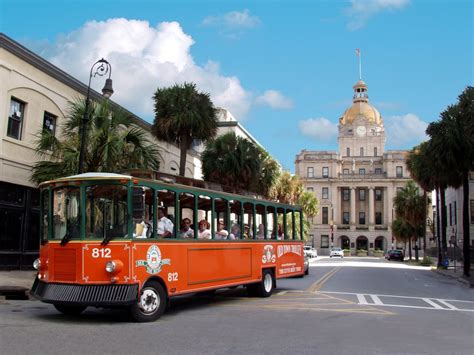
[[153, 257]]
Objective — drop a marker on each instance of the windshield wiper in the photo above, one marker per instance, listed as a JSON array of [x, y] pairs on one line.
[[107, 239]]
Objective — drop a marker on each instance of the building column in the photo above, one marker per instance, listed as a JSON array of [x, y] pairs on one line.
[[335, 198], [391, 213], [371, 206], [353, 206]]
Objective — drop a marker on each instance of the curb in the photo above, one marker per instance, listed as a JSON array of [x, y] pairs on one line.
[[460, 279]]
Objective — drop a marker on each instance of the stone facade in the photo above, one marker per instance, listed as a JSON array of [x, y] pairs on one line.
[[356, 185]]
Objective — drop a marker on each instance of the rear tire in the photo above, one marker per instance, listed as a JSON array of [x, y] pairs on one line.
[[151, 303], [70, 310], [263, 288], [306, 272]]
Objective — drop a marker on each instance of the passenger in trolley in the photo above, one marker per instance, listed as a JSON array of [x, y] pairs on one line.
[[165, 226], [203, 229], [221, 233], [186, 230], [234, 232]]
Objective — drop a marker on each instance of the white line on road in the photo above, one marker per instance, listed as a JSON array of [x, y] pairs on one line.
[[431, 303], [377, 300], [450, 306], [361, 298]]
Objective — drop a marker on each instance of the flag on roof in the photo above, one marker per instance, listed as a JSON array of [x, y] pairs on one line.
[[358, 52]]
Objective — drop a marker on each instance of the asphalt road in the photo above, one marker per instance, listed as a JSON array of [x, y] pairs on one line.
[[342, 307]]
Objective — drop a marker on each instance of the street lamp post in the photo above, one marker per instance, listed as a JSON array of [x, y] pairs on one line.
[[100, 68]]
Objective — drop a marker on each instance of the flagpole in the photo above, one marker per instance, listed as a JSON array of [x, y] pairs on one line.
[[360, 66]]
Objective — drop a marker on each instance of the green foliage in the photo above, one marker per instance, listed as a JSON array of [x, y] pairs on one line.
[[426, 261], [289, 189], [182, 115], [113, 144], [238, 163]]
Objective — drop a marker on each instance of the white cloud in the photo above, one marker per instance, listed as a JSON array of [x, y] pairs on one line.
[[144, 58], [362, 10], [404, 132], [233, 19], [319, 128], [274, 99]]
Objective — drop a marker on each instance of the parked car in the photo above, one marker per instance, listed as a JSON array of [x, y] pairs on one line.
[[310, 252], [306, 265], [336, 252], [395, 254]]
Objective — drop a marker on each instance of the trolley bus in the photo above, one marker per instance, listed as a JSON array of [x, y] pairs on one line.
[[111, 240]]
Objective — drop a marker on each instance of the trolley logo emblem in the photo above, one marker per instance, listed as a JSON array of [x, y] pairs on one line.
[[268, 254], [153, 262]]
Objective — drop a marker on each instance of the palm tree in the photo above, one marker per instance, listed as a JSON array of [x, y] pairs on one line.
[[418, 163], [114, 144], [239, 164], [182, 115], [453, 138], [289, 189], [410, 208], [402, 232]]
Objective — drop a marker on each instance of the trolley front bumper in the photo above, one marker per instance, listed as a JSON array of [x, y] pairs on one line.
[[86, 295]]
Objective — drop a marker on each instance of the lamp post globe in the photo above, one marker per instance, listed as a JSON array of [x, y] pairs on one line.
[[99, 68]]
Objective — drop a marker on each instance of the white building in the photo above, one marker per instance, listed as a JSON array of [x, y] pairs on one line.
[[357, 184]]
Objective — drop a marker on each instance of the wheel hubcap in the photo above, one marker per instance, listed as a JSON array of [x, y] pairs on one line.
[[149, 301], [268, 283]]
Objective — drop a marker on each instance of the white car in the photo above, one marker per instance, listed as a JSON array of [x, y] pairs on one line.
[[336, 252], [310, 252]]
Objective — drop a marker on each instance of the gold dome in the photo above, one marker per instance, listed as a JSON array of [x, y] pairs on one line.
[[364, 109], [361, 107]]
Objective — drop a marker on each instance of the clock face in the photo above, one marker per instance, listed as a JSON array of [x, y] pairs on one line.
[[360, 131]]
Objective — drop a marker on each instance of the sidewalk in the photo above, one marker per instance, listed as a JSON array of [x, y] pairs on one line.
[[16, 284], [456, 273]]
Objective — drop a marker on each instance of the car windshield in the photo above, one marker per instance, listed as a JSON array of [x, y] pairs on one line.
[[337, 249]]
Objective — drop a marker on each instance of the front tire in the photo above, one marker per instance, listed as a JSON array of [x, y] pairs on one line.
[[70, 310], [151, 303]]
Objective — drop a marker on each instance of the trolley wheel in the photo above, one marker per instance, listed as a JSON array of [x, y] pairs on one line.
[[70, 310], [306, 272], [151, 303], [263, 288]]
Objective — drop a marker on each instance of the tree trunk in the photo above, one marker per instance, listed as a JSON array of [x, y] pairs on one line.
[[465, 225], [438, 227], [425, 199], [409, 247], [183, 146], [444, 218], [416, 249]]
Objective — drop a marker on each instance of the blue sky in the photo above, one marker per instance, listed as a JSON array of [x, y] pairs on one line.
[[285, 69]]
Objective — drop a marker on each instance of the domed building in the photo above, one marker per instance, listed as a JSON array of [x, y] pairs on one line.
[[356, 185]]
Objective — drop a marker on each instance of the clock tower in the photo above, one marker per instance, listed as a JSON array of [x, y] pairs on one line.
[[361, 130]]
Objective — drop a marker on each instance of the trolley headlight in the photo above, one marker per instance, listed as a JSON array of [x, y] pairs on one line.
[[114, 266], [110, 266], [37, 264]]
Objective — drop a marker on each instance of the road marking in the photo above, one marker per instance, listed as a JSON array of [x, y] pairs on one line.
[[434, 303], [431, 303], [450, 306], [377, 300], [318, 284], [361, 299]]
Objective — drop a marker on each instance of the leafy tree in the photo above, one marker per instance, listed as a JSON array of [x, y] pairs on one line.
[[410, 208], [289, 189], [452, 140], [114, 144], [239, 164], [182, 115], [418, 164]]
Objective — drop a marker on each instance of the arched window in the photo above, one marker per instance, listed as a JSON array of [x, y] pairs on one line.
[[361, 151], [348, 151]]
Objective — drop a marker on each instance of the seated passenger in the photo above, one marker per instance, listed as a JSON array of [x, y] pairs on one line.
[[221, 233], [247, 234], [144, 229], [234, 232], [165, 226], [261, 231], [203, 230], [186, 230]]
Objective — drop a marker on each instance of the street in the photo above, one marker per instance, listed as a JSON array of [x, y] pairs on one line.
[[344, 306]]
